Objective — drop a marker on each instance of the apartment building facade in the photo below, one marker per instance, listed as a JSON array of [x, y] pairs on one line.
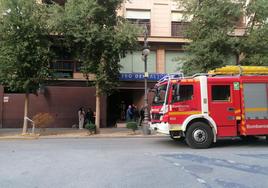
[[165, 26]]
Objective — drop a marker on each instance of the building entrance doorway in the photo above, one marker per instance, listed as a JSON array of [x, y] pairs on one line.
[[118, 102]]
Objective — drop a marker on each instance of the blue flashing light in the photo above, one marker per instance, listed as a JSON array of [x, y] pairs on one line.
[[173, 76]]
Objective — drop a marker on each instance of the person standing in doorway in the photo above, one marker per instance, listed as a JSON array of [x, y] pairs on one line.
[[135, 113], [89, 116], [129, 113], [141, 115], [81, 117]]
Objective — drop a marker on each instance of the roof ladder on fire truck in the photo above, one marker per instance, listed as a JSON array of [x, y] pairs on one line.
[[173, 76], [240, 70]]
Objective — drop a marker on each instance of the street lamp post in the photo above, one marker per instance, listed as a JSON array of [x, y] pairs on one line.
[[145, 53]]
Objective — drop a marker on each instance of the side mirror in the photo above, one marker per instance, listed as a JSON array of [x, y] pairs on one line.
[[178, 91]]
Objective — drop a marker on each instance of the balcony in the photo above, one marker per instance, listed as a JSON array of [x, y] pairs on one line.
[[178, 29], [63, 65], [63, 68], [68, 69]]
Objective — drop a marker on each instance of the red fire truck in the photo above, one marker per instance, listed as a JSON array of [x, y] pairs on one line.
[[229, 101]]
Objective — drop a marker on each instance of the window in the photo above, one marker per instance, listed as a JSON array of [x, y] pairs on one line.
[[160, 94], [221, 93], [182, 93], [174, 61], [179, 24], [133, 63], [138, 14], [140, 18]]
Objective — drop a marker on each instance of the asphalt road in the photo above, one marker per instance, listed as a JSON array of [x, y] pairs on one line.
[[131, 163]]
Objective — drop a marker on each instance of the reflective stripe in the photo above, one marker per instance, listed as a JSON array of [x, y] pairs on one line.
[[204, 94], [256, 109], [237, 111], [238, 118], [184, 113], [175, 127]]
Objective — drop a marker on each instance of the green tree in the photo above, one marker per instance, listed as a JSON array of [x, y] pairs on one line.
[[24, 47], [98, 38], [210, 31], [254, 46]]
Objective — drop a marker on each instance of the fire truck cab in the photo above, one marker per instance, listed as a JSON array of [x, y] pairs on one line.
[[159, 99], [229, 101]]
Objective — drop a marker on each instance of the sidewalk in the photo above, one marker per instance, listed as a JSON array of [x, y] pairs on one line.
[[119, 132]]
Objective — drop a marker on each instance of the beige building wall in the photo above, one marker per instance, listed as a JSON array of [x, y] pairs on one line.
[[161, 18], [160, 14], [160, 60], [139, 4]]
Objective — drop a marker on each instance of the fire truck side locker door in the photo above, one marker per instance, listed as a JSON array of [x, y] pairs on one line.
[[223, 105], [255, 95]]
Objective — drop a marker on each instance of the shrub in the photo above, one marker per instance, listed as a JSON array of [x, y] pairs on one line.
[[41, 120], [91, 127], [132, 125]]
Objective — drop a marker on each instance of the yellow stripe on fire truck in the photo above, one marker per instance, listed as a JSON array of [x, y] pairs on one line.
[[256, 109], [184, 113]]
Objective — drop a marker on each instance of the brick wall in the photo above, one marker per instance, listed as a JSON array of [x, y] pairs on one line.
[[62, 102]]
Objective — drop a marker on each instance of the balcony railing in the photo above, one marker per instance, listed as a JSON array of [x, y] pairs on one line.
[[63, 65], [63, 68], [178, 29], [140, 24]]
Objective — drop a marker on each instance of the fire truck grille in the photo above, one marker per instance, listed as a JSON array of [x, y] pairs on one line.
[[155, 116]]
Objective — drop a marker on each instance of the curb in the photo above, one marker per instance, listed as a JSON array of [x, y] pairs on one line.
[[78, 137], [100, 137], [18, 138]]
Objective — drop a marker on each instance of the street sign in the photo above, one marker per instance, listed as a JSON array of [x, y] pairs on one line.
[[140, 76]]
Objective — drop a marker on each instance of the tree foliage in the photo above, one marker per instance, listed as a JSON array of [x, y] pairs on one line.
[[212, 33], [98, 38], [24, 45], [254, 45]]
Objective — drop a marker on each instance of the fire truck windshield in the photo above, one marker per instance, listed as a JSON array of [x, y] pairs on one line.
[[160, 93]]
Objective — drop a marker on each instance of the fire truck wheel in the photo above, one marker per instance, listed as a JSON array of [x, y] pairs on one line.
[[199, 135]]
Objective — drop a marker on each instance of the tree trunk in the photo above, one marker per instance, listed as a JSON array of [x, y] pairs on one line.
[[97, 119], [240, 58], [26, 107]]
